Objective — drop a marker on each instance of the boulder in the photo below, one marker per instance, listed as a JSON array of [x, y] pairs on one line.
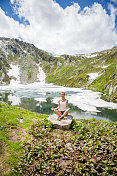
[[63, 124]]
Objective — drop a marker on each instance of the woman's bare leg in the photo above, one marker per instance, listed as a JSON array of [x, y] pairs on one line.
[[64, 114], [57, 112]]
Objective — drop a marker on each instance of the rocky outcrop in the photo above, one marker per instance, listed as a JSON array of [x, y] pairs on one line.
[[63, 124], [28, 71], [111, 88], [4, 65]]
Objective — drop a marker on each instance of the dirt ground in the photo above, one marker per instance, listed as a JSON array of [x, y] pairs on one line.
[[16, 134]]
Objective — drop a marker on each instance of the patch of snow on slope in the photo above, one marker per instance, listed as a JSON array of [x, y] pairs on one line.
[[105, 66], [14, 72], [90, 55], [41, 76], [93, 76], [15, 100]]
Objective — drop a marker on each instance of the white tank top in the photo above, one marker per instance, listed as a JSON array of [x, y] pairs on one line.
[[63, 105]]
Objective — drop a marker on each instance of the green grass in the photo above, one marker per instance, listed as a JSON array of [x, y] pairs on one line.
[[9, 120], [103, 80]]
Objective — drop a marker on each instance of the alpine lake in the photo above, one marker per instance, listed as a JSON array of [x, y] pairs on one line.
[[39, 97]]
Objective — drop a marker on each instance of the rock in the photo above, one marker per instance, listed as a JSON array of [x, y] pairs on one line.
[[63, 124], [63, 164], [21, 121], [69, 146]]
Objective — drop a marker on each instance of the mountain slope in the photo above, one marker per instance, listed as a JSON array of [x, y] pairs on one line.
[[25, 55], [97, 71]]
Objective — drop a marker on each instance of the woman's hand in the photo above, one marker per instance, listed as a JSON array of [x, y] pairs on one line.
[[52, 109]]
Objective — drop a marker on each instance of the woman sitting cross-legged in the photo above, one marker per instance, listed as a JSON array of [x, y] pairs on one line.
[[62, 109]]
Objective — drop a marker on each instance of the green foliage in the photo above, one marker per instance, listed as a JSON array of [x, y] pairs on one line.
[[60, 59], [10, 57], [41, 128], [30, 71], [6, 78], [46, 66], [102, 81], [14, 146], [90, 149], [61, 75], [12, 173], [114, 96]]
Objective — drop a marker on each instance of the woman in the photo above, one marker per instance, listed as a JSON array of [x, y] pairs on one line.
[[62, 109]]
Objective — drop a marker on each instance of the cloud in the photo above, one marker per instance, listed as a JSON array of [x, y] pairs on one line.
[[57, 30], [115, 1], [8, 27]]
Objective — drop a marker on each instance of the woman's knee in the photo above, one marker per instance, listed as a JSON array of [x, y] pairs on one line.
[[68, 109], [55, 110]]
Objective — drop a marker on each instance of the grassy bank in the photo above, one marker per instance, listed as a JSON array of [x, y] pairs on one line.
[[33, 147]]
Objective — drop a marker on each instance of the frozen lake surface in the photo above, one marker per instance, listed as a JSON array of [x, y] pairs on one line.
[[40, 97]]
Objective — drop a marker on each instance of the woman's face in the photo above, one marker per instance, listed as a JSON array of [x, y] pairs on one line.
[[62, 94]]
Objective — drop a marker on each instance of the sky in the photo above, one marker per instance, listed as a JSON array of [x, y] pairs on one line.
[[61, 26]]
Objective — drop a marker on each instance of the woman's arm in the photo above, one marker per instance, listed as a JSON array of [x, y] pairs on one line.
[[58, 105], [67, 104]]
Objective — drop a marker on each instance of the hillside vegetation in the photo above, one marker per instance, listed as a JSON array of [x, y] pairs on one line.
[[30, 146], [75, 71]]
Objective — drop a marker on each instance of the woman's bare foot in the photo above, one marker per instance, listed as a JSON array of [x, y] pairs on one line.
[[61, 117]]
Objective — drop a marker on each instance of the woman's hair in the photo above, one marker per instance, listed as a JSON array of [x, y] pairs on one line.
[[63, 93]]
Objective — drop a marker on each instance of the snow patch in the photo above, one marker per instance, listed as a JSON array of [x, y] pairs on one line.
[[40, 99], [41, 76], [14, 72], [93, 76], [24, 51], [90, 55], [15, 100], [105, 66]]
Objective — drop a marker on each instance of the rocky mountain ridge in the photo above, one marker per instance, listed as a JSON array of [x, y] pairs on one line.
[[25, 55], [96, 71]]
